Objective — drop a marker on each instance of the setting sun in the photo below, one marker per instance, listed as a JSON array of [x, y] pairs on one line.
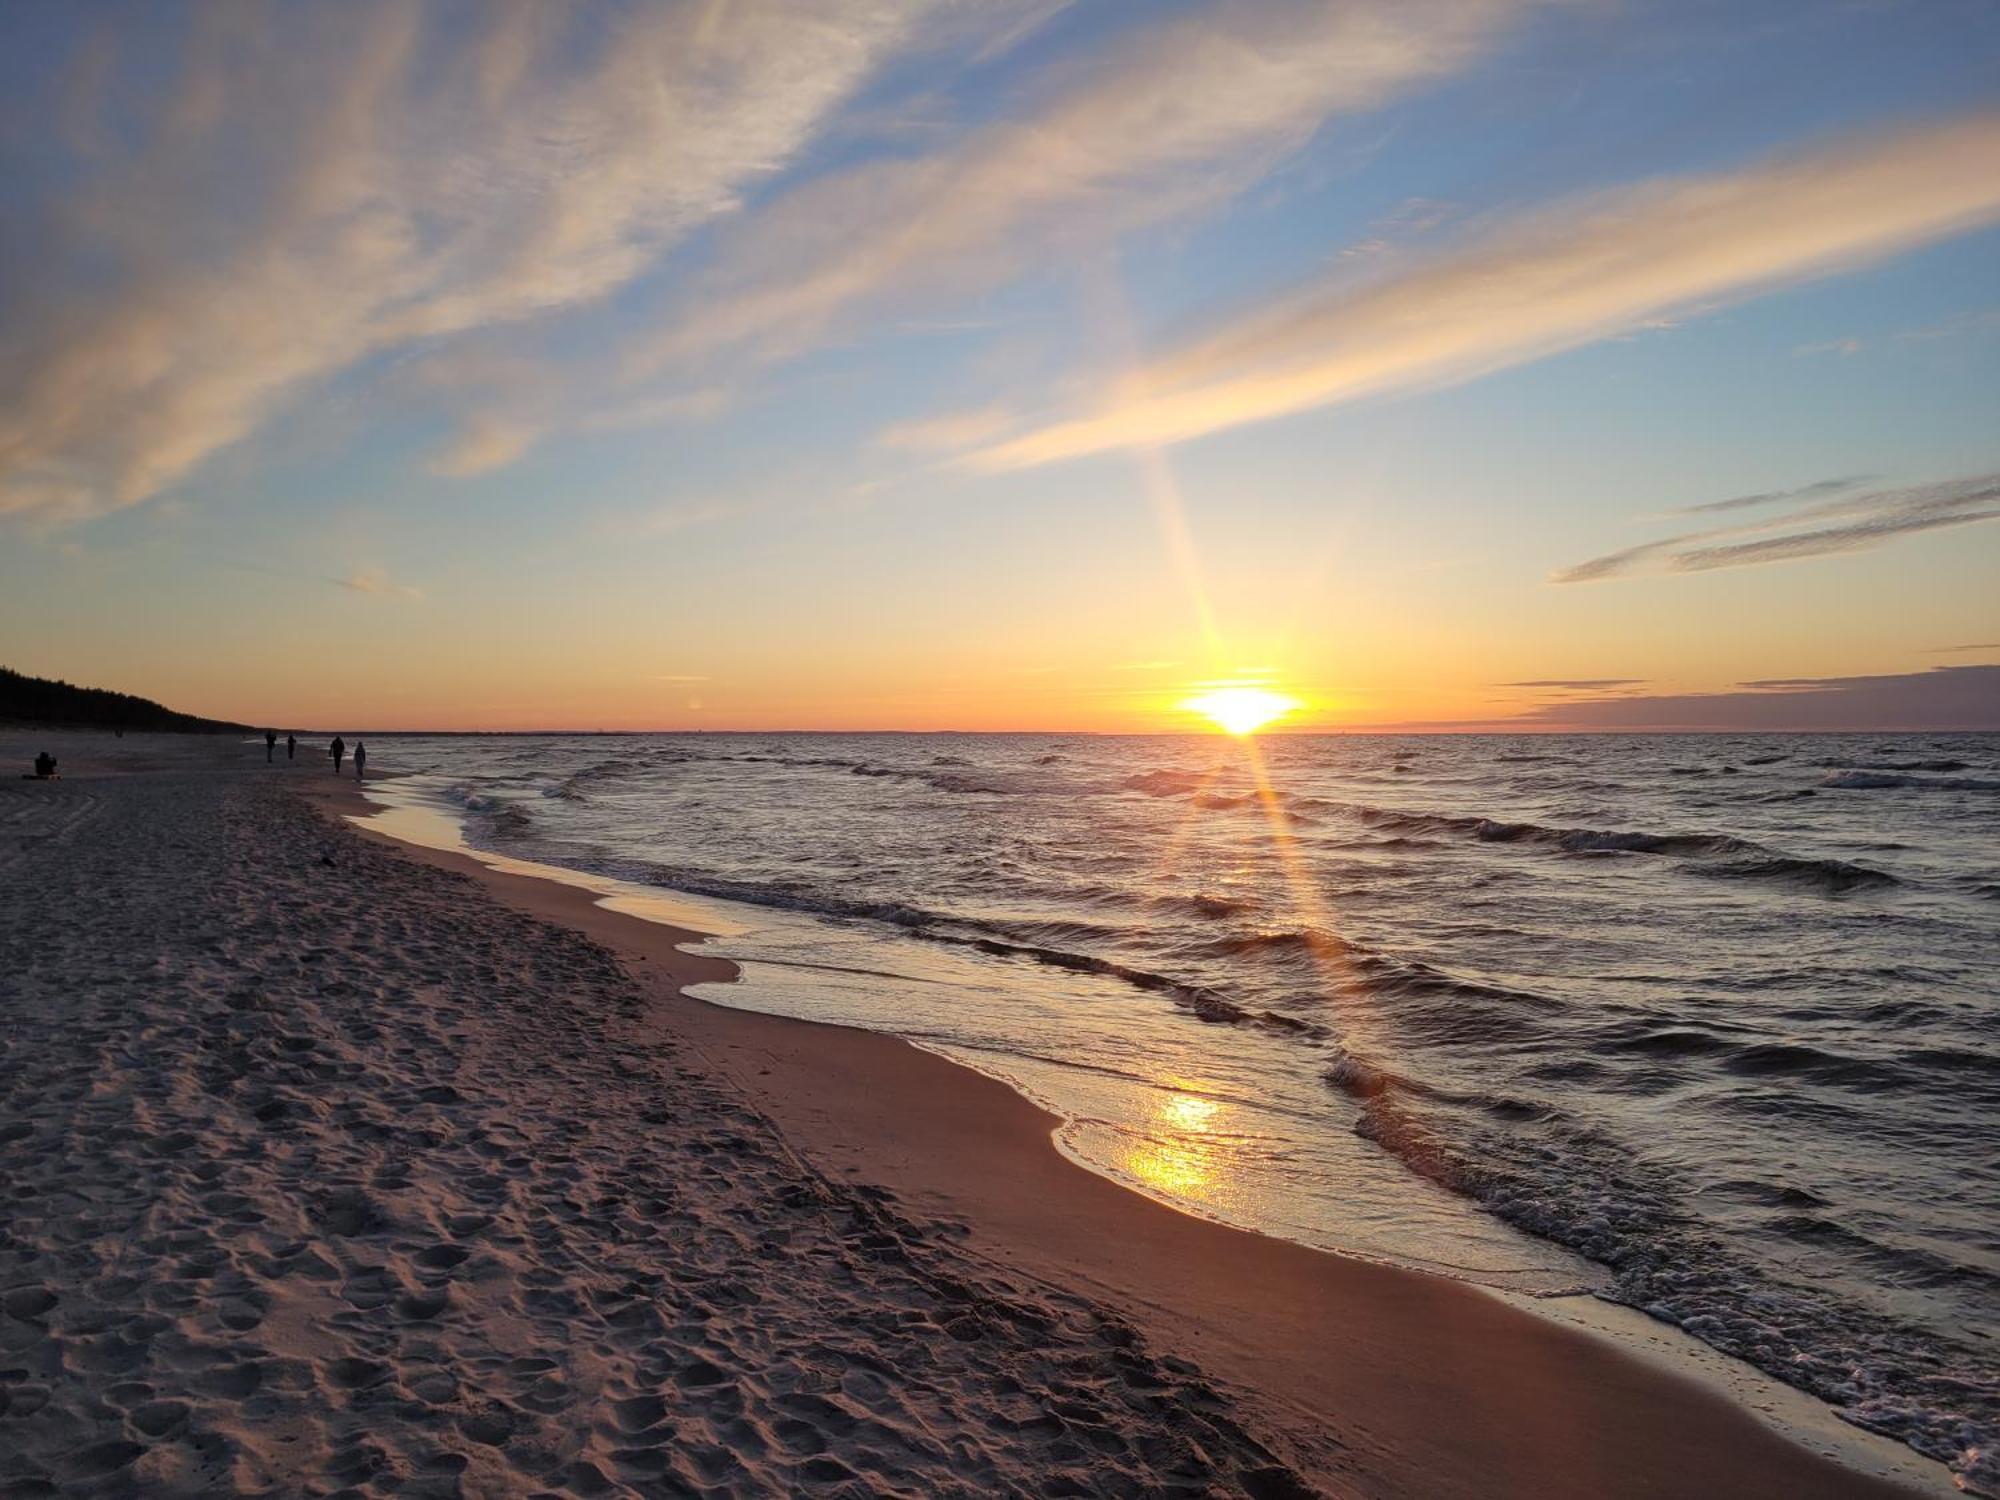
[[1241, 710]]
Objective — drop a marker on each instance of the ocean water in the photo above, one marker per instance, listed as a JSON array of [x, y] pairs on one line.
[[1707, 1025]]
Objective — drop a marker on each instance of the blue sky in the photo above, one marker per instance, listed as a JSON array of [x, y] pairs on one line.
[[906, 364]]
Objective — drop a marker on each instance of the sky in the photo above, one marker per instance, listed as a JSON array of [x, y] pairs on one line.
[[1005, 364]]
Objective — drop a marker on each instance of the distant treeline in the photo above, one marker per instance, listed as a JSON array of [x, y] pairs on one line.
[[43, 700]]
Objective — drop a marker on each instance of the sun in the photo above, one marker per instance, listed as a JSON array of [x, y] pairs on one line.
[[1241, 710]]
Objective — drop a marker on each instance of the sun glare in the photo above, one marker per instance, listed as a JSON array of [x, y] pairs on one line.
[[1241, 710]]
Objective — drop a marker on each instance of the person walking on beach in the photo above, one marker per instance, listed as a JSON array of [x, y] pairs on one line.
[[337, 750], [360, 758], [270, 744], [291, 746]]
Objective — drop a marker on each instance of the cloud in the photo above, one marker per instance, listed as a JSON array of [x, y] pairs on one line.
[[1546, 281], [681, 677], [1579, 684], [1967, 325], [1169, 117], [1824, 529], [1943, 698], [1845, 346], [372, 579], [376, 581], [485, 443], [1772, 497], [322, 185], [680, 515], [1611, 564], [947, 434], [1976, 646]]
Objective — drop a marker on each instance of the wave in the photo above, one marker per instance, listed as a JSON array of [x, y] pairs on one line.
[[1393, 841], [1219, 801], [1358, 1079], [1857, 780], [1203, 1002], [1000, 939], [576, 786], [1194, 786], [1899, 765], [1270, 804], [1549, 1175], [1663, 1041], [1602, 841], [1201, 904], [1426, 1005], [1720, 854], [495, 814], [1832, 877], [1168, 783], [1169, 903], [940, 772], [1805, 1064]]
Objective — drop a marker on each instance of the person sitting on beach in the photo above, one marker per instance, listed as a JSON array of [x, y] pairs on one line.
[[360, 757], [45, 768], [338, 750]]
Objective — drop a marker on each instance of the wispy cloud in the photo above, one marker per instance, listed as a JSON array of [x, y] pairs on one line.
[[1967, 325], [1171, 116], [376, 581], [1943, 698], [1975, 646], [947, 434], [371, 579], [1577, 684], [1819, 530], [485, 442], [681, 515], [1813, 491], [1549, 280], [325, 184]]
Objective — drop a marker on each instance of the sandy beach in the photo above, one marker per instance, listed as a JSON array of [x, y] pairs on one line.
[[337, 1167]]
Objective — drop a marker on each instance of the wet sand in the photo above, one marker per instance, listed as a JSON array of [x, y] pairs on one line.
[[340, 1165]]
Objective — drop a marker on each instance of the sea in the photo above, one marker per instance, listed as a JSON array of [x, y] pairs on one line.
[[1706, 1025]]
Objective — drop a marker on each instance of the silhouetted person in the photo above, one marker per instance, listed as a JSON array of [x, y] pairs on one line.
[[338, 749], [360, 758], [45, 767], [291, 746], [270, 744]]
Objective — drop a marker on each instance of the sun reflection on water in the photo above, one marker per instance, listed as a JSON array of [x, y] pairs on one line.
[[1178, 1153]]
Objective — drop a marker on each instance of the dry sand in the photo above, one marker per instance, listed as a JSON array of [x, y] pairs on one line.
[[334, 1168]]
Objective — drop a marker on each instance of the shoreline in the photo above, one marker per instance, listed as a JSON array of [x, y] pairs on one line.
[[329, 1174], [1379, 1379]]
